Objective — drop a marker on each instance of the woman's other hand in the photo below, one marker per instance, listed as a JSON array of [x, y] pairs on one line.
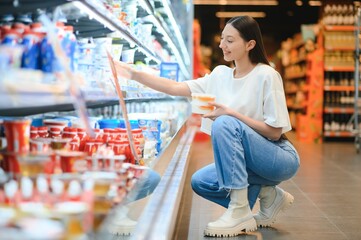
[[218, 111]]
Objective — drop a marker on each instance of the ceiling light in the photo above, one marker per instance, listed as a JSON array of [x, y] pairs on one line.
[[315, 3], [236, 2], [236, 14], [299, 3]]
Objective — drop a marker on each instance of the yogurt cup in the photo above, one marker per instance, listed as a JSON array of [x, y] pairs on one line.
[[200, 103]]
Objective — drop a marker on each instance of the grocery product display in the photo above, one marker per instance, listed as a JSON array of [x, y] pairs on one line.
[[295, 76], [67, 159], [339, 72], [339, 82], [320, 84]]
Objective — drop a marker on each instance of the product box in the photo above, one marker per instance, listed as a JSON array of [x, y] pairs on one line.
[[169, 70]]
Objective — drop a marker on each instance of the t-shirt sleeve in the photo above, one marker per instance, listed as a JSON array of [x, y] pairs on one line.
[[198, 85], [275, 107], [208, 83]]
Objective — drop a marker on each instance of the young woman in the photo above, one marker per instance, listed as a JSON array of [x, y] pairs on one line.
[[251, 153]]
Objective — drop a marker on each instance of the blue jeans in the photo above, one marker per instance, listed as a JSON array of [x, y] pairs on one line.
[[144, 186], [243, 159]]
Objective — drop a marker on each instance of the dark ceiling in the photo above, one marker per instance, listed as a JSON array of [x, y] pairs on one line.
[[281, 21]]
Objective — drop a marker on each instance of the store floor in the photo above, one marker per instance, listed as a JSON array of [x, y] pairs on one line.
[[327, 191]]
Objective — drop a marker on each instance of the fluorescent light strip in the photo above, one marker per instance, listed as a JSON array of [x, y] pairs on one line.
[[175, 26], [236, 2], [172, 46], [235, 14], [113, 26], [145, 5], [91, 14]]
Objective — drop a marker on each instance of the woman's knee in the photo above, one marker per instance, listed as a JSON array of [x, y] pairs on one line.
[[225, 123], [196, 182], [153, 180], [221, 122], [204, 179]]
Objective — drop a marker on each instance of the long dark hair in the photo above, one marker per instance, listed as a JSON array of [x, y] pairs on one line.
[[249, 29]]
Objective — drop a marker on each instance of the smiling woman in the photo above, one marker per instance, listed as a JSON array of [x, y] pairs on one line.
[[246, 122]]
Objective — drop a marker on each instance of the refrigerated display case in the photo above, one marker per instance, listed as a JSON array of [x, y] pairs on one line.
[[150, 30]]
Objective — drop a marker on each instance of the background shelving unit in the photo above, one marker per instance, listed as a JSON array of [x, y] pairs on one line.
[[339, 82], [296, 88]]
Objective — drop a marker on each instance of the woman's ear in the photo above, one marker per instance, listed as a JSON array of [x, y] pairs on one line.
[[251, 44]]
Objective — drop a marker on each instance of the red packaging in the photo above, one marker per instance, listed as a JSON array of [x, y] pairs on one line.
[[72, 161], [17, 135], [43, 131]]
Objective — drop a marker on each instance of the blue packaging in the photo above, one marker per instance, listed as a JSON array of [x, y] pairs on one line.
[[169, 70], [69, 44], [151, 128], [48, 62], [133, 124], [11, 38], [37, 122], [159, 147], [109, 123], [31, 53]]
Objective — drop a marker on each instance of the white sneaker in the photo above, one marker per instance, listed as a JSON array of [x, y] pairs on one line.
[[238, 218], [271, 203], [227, 226], [124, 226]]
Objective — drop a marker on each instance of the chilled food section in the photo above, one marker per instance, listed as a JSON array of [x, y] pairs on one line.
[[51, 169], [72, 156], [32, 69]]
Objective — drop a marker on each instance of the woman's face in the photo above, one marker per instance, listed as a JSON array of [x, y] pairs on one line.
[[233, 46]]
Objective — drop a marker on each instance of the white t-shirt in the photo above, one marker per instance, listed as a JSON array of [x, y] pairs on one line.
[[258, 95]]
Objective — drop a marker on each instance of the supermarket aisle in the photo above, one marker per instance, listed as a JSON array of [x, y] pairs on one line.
[[327, 191]]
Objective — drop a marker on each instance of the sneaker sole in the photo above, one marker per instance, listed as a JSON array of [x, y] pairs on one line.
[[120, 230], [287, 202], [247, 226]]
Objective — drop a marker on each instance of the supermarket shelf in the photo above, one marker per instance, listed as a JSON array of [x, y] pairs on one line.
[[10, 7], [99, 22], [338, 110], [297, 106], [297, 61], [339, 88], [295, 76], [340, 28], [292, 92], [113, 23], [344, 48], [96, 9], [337, 134], [32, 103], [159, 217], [339, 68], [165, 13]]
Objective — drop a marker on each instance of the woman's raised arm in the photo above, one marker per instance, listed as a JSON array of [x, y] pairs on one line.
[[157, 83]]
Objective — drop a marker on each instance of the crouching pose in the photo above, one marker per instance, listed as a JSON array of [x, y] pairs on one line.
[[247, 126]]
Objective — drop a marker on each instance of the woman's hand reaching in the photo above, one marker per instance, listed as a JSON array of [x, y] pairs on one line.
[[124, 69]]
